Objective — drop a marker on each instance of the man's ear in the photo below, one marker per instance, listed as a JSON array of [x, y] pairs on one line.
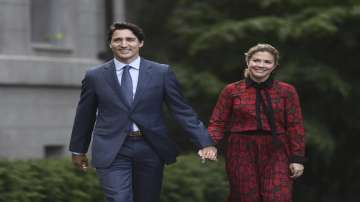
[[110, 46]]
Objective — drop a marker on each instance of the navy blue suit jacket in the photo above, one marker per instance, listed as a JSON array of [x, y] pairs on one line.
[[103, 115]]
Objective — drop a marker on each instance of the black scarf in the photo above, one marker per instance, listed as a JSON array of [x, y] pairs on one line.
[[265, 103]]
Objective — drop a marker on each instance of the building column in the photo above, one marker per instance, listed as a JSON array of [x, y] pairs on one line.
[[119, 10]]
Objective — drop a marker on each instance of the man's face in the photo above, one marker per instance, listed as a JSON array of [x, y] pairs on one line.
[[125, 45]]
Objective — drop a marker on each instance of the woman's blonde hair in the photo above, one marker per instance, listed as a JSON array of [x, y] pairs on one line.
[[259, 48]]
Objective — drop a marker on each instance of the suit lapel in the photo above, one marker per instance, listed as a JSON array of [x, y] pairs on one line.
[[111, 78], [144, 78]]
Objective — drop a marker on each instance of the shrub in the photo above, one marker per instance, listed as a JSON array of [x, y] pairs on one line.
[[47, 181], [191, 181], [58, 181]]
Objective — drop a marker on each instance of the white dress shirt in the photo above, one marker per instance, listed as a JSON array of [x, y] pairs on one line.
[[134, 72]]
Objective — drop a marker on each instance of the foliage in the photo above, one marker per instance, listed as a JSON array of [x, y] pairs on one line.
[[46, 181], [57, 181], [189, 180]]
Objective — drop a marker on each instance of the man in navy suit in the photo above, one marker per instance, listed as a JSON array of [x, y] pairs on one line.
[[120, 109]]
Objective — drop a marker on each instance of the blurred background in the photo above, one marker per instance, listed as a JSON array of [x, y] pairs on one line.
[[47, 45]]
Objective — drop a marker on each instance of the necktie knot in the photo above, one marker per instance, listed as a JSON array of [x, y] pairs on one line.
[[126, 67]]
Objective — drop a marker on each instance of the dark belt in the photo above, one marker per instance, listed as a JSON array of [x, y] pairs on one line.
[[136, 134]]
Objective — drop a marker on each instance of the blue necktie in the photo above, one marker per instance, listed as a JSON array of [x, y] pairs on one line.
[[126, 85], [127, 88]]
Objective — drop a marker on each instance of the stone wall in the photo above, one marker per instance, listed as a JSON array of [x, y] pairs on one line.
[[40, 82]]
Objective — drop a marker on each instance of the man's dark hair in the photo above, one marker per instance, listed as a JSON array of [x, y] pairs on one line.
[[136, 30]]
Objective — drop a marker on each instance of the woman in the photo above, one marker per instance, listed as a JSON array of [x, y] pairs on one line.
[[265, 141]]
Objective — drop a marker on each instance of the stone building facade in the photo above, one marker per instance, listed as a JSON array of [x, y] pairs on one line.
[[45, 48]]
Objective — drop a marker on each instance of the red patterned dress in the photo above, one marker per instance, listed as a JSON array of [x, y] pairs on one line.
[[266, 134]]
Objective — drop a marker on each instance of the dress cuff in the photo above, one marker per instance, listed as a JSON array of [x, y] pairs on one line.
[[297, 159], [76, 153]]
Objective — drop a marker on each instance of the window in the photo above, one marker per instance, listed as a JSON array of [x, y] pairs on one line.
[[54, 151], [47, 22]]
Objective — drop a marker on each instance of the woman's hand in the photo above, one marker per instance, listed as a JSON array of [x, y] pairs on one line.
[[296, 169]]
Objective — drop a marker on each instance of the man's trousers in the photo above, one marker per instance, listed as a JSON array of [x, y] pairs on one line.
[[135, 175]]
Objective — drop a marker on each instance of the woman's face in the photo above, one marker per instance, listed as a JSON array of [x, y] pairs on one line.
[[260, 65]]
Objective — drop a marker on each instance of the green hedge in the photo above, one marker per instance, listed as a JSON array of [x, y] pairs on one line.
[[46, 181], [57, 181], [189, 180]]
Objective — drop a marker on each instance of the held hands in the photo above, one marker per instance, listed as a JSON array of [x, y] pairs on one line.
[[209, 152], [80, 161], [296, 170]]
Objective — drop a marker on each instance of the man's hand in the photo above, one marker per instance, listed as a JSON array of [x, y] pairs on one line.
[[80, 161], [296, 169], [209, 152]]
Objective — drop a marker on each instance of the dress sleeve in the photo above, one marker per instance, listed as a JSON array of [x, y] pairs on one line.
[[294, 127], [220, 115]]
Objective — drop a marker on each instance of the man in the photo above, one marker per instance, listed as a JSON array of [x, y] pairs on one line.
[[120, 108]]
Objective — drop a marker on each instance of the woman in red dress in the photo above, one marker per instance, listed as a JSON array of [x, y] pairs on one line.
[[265, 142]]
